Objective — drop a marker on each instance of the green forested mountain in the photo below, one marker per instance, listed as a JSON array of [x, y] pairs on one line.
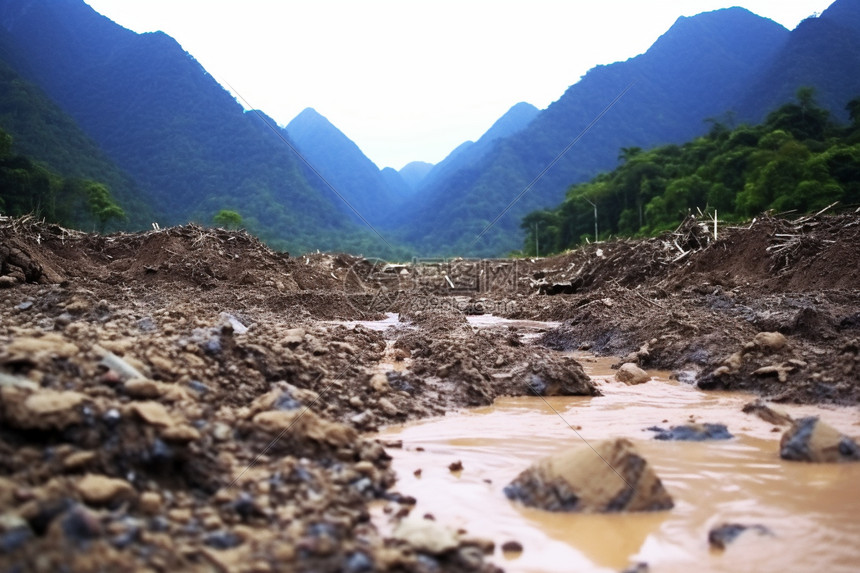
[[698, 69], [163, 119], [185, 149], [44, 134], [823, 52], [798, 159], [27, 188]]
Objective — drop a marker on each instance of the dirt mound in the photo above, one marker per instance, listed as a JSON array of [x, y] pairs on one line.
[[782, 255]]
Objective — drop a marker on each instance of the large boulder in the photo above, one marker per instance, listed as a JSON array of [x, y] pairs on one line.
[[811, 440], [606, 477], [553, 377], [631, 374]]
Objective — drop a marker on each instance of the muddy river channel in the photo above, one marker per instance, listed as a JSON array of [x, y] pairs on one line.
[[812, 511]]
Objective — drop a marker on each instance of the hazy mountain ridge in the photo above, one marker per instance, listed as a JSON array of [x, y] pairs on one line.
[[44, 133], [823, 52], [413, 173], [191, 149], [160, 116], [517, 118], [695, 70], [343, 165]]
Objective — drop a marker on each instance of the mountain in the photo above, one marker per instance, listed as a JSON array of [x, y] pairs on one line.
[[395, 182], [466, 154], [413, 174], [823, 52], [343, 165], [697, 69], [42, 132], [163, 119]]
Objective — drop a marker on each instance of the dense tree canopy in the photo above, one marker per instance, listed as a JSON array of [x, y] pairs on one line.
[[797, 159], [29, 188]]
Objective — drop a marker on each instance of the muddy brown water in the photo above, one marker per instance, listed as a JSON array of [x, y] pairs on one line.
[[813, 511]]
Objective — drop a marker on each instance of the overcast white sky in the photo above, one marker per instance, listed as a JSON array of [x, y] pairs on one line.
[[412, 79]]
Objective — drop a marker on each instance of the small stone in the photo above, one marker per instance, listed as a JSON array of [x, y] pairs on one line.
[[631, 374], [81, 525], [221, 431], [222, 540], [142, 388], [486, 546], [426, 536], [770, 341], [7, 281], [42, 410], [512, 547], [388, 407], [379, 383], [180, 515], [199, 387], [35, 350], [182, 433], [153, 413], [150, 503], [99, 489], [49, 402], [693, 433], [719, 537], [27, 305], [358, 563], [356, 402], [78, 460], [456, 466], [294, 336], [734, 362], [13, 539]]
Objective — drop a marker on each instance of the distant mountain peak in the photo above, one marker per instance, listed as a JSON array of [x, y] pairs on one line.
[[514, 120], [414, 173]]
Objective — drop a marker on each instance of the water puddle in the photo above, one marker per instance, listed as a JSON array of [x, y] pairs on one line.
[[392, 319], [812, 510], [528, 329]]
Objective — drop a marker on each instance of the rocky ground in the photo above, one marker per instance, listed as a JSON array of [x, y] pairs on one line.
[[189, 399]]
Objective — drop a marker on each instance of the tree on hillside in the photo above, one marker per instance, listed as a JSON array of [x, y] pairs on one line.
[[804, 119], [227, 219], [101, 204], [797, 160]]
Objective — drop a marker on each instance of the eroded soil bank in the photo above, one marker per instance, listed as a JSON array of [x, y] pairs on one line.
[[189, 399]]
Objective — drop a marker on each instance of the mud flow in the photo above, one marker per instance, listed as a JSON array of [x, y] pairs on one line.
[[187, 399], [809, 510]]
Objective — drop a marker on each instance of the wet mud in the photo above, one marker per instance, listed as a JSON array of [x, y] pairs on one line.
[[188, 399]]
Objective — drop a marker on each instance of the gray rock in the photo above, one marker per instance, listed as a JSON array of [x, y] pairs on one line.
[[811, 440], [693, 433], [631, 374], [610, 476], [719, 537]]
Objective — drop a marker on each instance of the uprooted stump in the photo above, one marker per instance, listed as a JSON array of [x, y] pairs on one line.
[[611, 477]]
